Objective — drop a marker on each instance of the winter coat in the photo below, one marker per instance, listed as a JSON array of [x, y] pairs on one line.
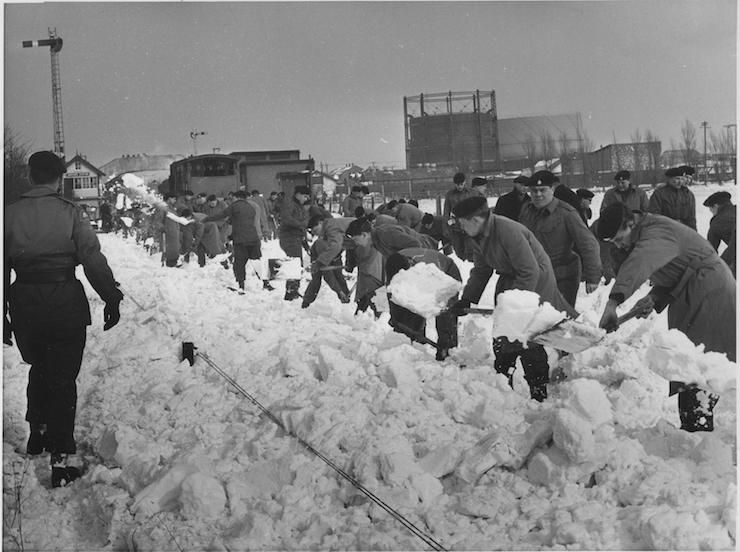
[[316, 209], [45, 232], [510, 205], [512, 250], [678, 204], [171, 230], [332, 234], [439, 230], [634, 198], [190, 236], [292, 231], [409, 215], [566, 239], [391, 238], [722, 229], [244, 218], [369, 270], [349, 205], [260, 202], [210, 238], [687, 275], [566, 195], [382, 220], [453, 197]]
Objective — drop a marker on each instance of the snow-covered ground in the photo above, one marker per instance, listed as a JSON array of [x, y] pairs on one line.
[[177, 460]]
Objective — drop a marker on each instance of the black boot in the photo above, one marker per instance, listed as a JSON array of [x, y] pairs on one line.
[[61, 472], [538, 391], [266, 285], [240, 283], [695, 409], [291, 290], [37, 443]]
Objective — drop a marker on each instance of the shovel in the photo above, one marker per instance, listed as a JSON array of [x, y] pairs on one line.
[[568, 335]]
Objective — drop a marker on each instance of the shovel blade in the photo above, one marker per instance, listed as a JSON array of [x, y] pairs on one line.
[[569, 336]]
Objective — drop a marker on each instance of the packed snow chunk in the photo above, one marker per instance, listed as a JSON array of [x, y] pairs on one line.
[[163, 493], [673, 356], [587, 397], [664, 528], [519, 315], [440, 461], [423, 289], [380, 299], [202, 497], [573, 434], [289, 269]]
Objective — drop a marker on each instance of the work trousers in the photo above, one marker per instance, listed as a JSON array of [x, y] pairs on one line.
[[333, 278], [242, 253], [55, 356], [534, 360]]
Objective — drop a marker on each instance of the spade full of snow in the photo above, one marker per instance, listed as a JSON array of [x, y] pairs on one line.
[[423, 289]]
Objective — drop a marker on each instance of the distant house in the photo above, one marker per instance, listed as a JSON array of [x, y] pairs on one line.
[[152, 169], [677, 157], [82, 184], [348, 176]]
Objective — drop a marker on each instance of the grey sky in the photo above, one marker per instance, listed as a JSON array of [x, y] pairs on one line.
[[329, 78]]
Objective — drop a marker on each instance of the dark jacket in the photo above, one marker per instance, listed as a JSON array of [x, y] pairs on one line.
[[45, 232], [391, 238], [349, 205], [722, 229], [244, 220], [292, 231], [688, 275], [678, 204], [453, 197], [513, 251], [409, 215], [332, 234], [510, 205], [439, 230]]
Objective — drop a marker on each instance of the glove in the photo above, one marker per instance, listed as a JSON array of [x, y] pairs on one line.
[[7, 331], [458, 308], [111, 315], [646, 306], [609, 320]]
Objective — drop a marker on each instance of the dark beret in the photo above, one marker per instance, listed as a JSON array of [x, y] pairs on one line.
[[314, 220], [365, 190], [687, 170], [459, 178], [674, 171], [356, 188], [717, 198], [305, 190], [521, 179], [543, 178], [583, 193], [241, 193], [428, 218], [469, 207], [212, 197], [478, 181], [358, 226], [47, 162], [622, 175], [359, 211], [611, 220]]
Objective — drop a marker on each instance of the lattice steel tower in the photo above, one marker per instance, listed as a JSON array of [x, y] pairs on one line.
[[55, 46]]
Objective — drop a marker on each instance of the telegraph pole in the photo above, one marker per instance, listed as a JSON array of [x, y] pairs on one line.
[[55, 46], [705, 125], [732, 143]]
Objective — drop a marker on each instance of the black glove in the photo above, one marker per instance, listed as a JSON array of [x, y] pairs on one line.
[[7, 331], [459, 306], [111, 315]]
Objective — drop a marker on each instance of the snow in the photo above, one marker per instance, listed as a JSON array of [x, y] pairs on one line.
[[423, 289], [178, 459], [519, 315]]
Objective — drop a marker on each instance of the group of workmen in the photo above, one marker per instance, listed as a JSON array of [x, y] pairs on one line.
[[532, 238]]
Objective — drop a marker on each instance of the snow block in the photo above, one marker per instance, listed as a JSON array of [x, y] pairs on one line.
[[423, 289], [202, 497], [573, 434], [587, 398], [440, 461], [163, 493]]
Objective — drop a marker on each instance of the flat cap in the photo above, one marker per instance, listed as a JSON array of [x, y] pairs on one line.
[[47, 162], [611, 220], [521, 179], [675, 171], [305, 190], [687, 170], [718, 198], [470, 206], [622, 175], [478, 181], [584, 193], [543, 178]]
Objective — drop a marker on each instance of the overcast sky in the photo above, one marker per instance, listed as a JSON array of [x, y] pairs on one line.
[[329, 78]]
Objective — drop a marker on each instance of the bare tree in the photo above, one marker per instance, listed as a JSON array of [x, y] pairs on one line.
[[548, 148], [563, 140], [653, 149], [530, 150], [636, 139], [688, 141], [17, 150], [722, 148]]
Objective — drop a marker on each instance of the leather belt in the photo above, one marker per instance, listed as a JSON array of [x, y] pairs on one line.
[[46, 277]]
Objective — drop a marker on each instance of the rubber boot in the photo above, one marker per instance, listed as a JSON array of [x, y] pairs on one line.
[[62, 470], [266, 285], [291, 290], [37, 441], [695, 409]]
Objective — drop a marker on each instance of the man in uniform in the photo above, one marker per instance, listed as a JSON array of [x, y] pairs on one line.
[[624, 192], [675, 200], [510, 204], [326, 257], [457, 194], [564, 236], [513, 251], [722, 226], [46, 236], [353, 201], [292, 233]]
